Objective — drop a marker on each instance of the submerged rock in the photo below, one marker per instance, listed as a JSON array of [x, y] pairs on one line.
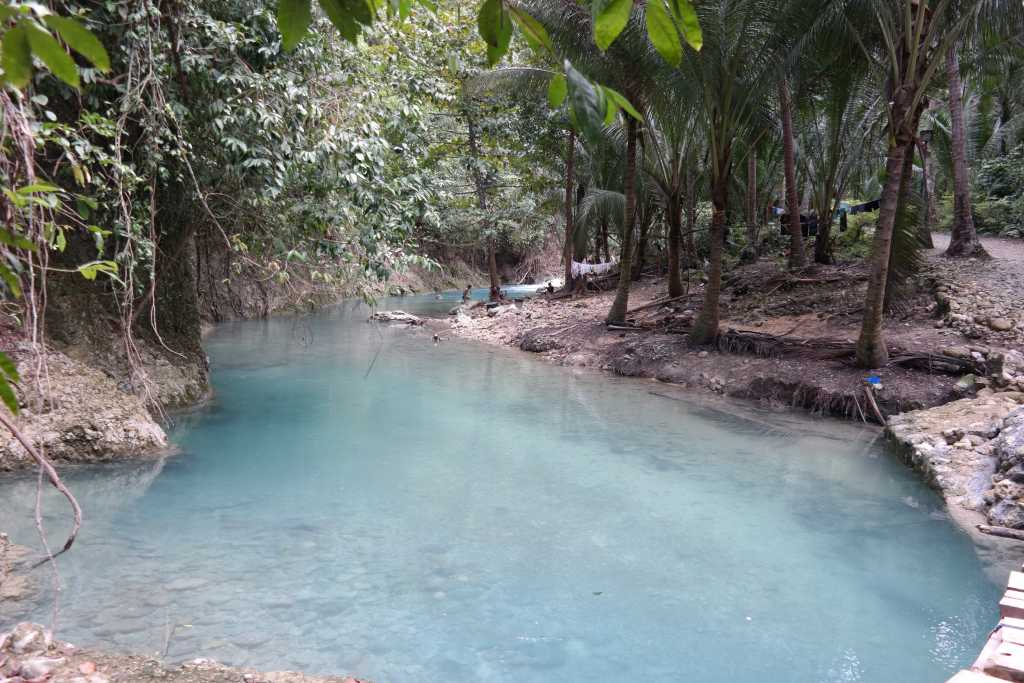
[[396, 317]]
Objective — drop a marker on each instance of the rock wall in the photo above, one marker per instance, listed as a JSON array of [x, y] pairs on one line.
[[972, 449]]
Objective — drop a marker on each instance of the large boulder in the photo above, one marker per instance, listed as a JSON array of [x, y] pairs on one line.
[[1008, 489]]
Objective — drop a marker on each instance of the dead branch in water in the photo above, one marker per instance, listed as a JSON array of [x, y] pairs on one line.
[[1001, 531], [47, 468]]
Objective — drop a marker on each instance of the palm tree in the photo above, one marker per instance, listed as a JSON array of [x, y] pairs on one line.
[[964, 240], [797, 259], [909, 45]]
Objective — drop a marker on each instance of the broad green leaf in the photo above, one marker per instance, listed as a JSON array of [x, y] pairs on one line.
[[16, 58], [51, 53], [587, 106], [17, 241], [610, 18], [293, 19], [536, 35], [495, 28], [81, 40], [8, 368], [90, 270], [11, 280], [557, 90], [37, 187], [360, 10], [342, 20], [662, 32], [60, 241], [620, 100], [686, 17], [8, 397]]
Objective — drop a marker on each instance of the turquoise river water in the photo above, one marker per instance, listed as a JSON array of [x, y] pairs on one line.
[[358, 500]]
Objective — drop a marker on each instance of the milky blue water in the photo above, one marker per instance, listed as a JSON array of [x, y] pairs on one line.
[[463, 513]]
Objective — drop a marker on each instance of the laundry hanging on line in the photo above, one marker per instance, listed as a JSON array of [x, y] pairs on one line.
[[873, 205], [580, 269]]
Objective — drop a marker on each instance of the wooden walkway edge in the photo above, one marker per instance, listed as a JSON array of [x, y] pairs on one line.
[[1002, 658]]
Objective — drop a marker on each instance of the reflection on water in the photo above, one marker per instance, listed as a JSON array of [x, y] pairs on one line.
[[469, 514]]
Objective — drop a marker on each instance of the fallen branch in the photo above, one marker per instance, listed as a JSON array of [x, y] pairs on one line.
[[1001, 531], [656, 303], [624, 328], [48, 469], [874, 406]]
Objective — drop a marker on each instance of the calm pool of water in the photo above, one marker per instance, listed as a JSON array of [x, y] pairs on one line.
[[460, 513]]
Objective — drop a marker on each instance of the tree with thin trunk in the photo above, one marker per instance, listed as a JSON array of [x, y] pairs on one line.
[[570, 200], [481, 196], [797, 259], [751, 199], [964, 240], [617, 313]]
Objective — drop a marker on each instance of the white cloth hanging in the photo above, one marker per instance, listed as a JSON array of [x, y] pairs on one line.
[[580, 269]]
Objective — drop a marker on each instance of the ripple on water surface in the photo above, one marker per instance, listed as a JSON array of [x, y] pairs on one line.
[[468, 514]]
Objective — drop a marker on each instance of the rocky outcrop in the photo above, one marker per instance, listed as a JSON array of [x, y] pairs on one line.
[[29, 652], [1007, 503], [972, 451], [76, 413]]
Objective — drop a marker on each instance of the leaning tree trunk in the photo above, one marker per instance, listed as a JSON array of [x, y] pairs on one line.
[[705, 328], [570, 179], [796, 241], [900, 231], [752, 204], [964, 238], [617, 313], [675, 229], [871, 351]]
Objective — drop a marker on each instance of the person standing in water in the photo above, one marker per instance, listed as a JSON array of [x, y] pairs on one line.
[[466, 292]]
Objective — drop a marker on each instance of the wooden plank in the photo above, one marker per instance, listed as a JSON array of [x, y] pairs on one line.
[[1016, 582], [972, 677], [1007, 663], [1011, 606], [1011, 622], [1012, 635]]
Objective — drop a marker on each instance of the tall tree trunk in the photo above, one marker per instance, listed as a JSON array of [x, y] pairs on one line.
[[604, 239], [675, 229], [871, 351], [617, 313], [689, 241], [570, 179], [752, 204], [796, 241], [823, 242], [481, 198], [964, 239], [641, 249], [924, 229], [705, 327], [899, 229], [931, 196]]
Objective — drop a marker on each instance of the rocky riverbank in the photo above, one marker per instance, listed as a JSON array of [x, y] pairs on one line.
[[29, 654]]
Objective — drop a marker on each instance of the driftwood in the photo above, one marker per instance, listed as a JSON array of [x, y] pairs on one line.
[[1001, 531], [874, 405], [624, 328]]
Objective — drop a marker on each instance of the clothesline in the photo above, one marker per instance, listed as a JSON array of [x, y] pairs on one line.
[[580, 269]]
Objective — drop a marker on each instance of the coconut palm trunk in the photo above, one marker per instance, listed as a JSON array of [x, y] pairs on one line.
[[871, 350], [964, 240], [705, 328], [752, 204], [675, 230], [570, 180], [796, 241], [617, 313]]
